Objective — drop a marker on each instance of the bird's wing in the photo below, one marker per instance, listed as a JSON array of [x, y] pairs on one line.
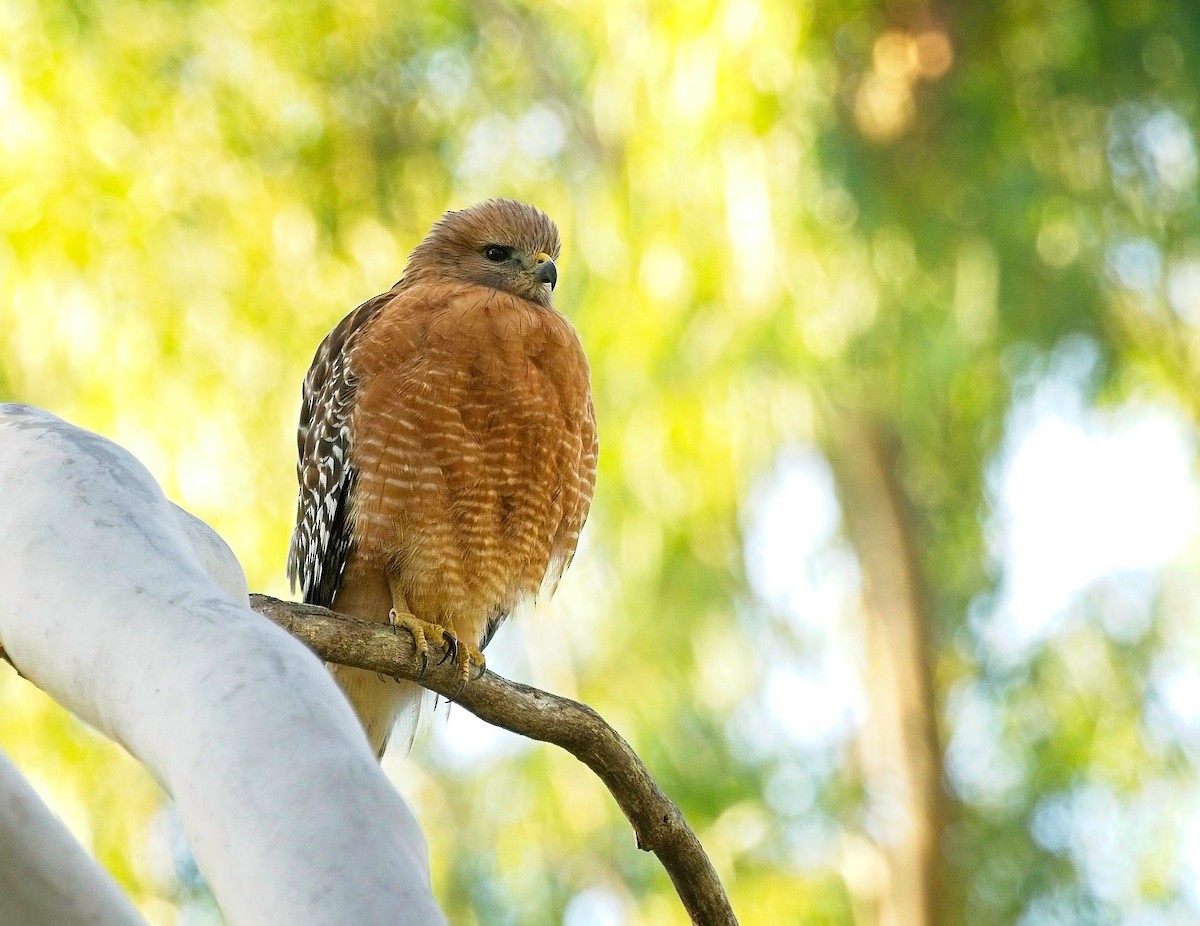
[[579, 479], [321, 538]]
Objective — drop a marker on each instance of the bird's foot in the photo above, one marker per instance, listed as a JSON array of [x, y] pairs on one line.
[[465, 657], [419, 630]]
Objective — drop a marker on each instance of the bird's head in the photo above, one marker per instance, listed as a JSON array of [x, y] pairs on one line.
[[500, 243]]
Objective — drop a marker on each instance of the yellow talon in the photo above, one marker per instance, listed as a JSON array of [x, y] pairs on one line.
[[470, 657], [418, 629], [464, 656]]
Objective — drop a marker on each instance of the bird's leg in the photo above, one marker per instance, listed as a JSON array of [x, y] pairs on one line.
[[464, 656], [400, 616]]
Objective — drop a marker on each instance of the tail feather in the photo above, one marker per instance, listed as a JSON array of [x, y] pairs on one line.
[[390, 709]]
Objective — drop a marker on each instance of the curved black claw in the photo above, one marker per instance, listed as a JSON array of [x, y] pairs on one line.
[[451, 640]]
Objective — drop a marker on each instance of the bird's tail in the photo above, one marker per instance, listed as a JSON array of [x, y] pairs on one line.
[[389, 709]]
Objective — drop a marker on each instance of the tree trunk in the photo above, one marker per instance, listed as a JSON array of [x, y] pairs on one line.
[[901, 753]]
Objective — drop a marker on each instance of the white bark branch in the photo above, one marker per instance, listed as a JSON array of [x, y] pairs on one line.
[[134, 616], [46, 878]]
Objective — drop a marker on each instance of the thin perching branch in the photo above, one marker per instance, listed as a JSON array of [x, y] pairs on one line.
[[658, 824]]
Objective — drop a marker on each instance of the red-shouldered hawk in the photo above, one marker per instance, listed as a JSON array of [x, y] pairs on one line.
[[447, 447]]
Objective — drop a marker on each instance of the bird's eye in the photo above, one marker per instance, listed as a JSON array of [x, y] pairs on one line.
[[497, 254]]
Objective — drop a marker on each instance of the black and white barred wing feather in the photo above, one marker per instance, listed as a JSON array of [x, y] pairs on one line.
[[321, 538]]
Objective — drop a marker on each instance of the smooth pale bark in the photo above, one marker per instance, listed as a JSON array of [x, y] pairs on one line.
[[46, 879], [134, 616]]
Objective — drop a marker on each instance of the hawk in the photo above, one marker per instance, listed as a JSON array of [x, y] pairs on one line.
[[447, 448]]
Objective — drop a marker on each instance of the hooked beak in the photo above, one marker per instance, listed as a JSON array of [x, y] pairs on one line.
[[545, 272]]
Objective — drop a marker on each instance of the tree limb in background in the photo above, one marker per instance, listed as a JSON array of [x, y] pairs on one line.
[[659, 826], [902, 726], [47, 879]]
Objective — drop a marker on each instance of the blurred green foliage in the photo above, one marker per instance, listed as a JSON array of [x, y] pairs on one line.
[[772, 212]]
